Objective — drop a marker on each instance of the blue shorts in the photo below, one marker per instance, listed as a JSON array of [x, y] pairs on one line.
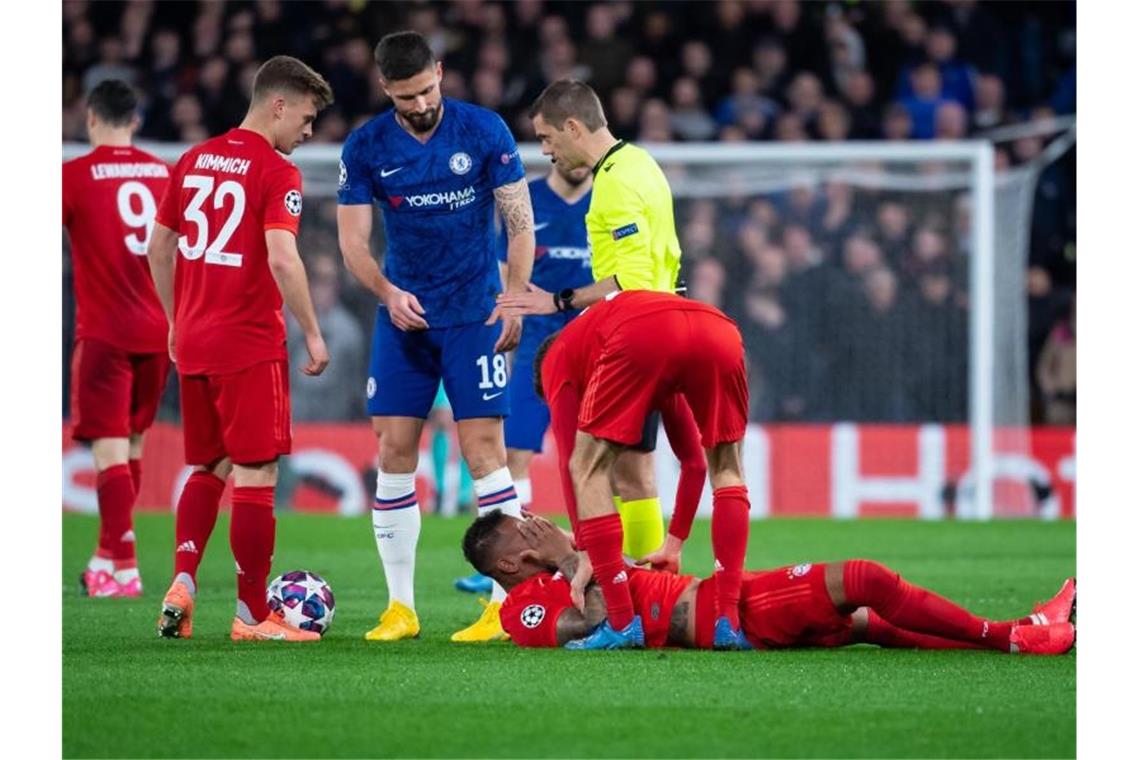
[[530, 416], [405, 370]]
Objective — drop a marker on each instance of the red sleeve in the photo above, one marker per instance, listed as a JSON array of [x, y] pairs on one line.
[[685, 440], [564, 427], [282, 199], [169, 213], [530, 611], [68, 194]]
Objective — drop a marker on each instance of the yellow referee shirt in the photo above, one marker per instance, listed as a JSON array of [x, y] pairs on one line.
[[630, 222]]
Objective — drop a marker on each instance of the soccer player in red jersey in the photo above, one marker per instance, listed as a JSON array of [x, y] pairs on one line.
[[230, 218], [119, 364], [632, 353], [805, 605]]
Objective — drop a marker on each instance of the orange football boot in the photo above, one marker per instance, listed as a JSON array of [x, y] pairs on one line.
[[177, 606], [273, 628]]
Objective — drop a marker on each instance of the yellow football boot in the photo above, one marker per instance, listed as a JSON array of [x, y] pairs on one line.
[[398, 622], [486, 628]]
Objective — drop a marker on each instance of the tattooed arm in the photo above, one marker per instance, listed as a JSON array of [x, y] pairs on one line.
[[513, 202], [575, 624]]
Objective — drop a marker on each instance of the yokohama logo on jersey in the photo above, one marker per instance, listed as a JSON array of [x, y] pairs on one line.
[[453, 199], [128, 171], [227, 164]]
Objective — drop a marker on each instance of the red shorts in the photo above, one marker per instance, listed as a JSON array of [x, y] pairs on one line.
[[114, 393], [644, 361], [782, 608], [243, 415]]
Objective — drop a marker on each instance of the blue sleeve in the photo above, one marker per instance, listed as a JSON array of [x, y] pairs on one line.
[[354, 186], [504, 164]]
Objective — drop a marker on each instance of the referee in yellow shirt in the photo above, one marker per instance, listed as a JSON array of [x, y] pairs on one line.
[[633, 246]]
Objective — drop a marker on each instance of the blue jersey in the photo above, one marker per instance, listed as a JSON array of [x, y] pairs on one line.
[[561, 255], [438, 205]]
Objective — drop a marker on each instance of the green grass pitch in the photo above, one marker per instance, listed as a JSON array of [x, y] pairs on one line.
[[128, 693]]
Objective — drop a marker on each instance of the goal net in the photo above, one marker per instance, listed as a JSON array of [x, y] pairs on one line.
[[879, 288]]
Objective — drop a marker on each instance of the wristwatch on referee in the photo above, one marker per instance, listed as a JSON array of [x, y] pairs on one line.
[[564, 299]]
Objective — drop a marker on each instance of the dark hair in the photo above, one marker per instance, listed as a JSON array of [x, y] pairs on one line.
[[539, 356], [479, 539], [402, 55], [569, 98], [284, 73], [114, 102]]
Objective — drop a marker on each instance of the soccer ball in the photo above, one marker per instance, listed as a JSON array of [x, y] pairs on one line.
[[304, 599]]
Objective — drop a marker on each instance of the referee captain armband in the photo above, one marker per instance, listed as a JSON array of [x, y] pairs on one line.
[[626, 231]]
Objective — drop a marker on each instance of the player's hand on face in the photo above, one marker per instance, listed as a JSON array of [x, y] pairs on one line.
[[666, 558], [544, 537], [534, 301], [405, 311], [318, 355]]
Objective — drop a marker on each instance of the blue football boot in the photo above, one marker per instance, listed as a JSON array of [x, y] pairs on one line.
[[476, 583], [605, 637], [726, 637]]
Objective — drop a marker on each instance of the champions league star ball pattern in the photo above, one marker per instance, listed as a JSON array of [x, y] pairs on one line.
[[304, 599]]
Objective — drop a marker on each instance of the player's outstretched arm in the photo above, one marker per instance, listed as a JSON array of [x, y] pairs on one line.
[[160, 255], [354, 230], [538, 301], [513, 203], [289, 271]]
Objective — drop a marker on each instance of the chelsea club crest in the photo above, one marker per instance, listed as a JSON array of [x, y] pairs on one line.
[[460, 163]]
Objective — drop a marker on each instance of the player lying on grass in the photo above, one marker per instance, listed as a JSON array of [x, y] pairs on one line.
[[807, 605], [603, 375]]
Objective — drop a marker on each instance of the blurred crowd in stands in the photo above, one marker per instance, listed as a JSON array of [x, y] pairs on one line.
[[852, 303]]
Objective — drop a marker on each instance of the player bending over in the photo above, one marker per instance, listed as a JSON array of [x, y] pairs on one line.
[[626, 356], [230, 218], [438, 168], [119, 364], [805, 605]]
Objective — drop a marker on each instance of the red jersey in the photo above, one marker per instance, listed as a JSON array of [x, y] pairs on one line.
[[573, 357], [109, 201], [224, 195], [530, 611]]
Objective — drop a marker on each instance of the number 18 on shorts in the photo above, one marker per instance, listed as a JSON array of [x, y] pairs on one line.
[[405, 370]]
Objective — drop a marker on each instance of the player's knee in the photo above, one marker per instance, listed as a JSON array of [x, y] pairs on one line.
[[866, 582], [484, 453]]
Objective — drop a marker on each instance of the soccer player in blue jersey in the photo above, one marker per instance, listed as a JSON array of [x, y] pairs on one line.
[[438, 168], [561, 260]]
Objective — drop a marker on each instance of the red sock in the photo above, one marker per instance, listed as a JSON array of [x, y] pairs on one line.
[[194, 521], [883, 634], [870, 584], [116, 493], [136, 473], [601, 538], [252, 529], [730, 544]]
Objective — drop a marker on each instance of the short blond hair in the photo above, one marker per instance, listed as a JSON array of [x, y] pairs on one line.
[[284, 73]]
